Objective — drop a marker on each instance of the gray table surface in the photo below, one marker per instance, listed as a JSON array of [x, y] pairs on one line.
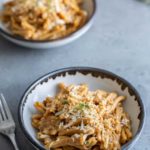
[[118, 41]]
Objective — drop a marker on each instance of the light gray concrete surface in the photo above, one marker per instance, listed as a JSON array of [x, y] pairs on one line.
[[119, 41]]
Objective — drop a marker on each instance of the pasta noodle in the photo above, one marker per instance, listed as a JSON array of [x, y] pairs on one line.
[[77, 118], [43, 19]]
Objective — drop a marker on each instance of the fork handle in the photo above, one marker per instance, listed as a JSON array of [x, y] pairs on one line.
[[13, 140]]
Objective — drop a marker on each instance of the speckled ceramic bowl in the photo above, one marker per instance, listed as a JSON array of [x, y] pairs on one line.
[[88, 5], [96, 79]]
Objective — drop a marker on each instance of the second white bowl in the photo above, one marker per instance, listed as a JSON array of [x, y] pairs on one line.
[[88, 5]]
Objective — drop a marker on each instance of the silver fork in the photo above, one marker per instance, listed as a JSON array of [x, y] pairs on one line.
[[7, 124]]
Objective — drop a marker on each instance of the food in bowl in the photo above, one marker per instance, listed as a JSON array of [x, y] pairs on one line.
[[77, 118], [43, 19]]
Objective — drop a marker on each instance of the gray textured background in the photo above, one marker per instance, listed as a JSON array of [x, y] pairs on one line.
[[118, 41]]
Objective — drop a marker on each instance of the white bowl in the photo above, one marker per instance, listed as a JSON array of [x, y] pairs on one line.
[[88, 5], [96, 79]]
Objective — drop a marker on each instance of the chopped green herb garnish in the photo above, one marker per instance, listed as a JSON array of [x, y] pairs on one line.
[[65, 102], [87, 142], [81, 106], [86, 106]]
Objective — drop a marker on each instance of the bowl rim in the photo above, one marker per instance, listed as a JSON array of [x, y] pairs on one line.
[[92, 17], [44, 78]]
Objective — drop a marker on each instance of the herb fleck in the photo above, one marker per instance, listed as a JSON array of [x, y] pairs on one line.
[[87, 142], [81, 106], [65, 102]]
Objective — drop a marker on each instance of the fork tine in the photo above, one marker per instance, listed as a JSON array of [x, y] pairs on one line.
[[3, 113], [6, 107], [1, 119]]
